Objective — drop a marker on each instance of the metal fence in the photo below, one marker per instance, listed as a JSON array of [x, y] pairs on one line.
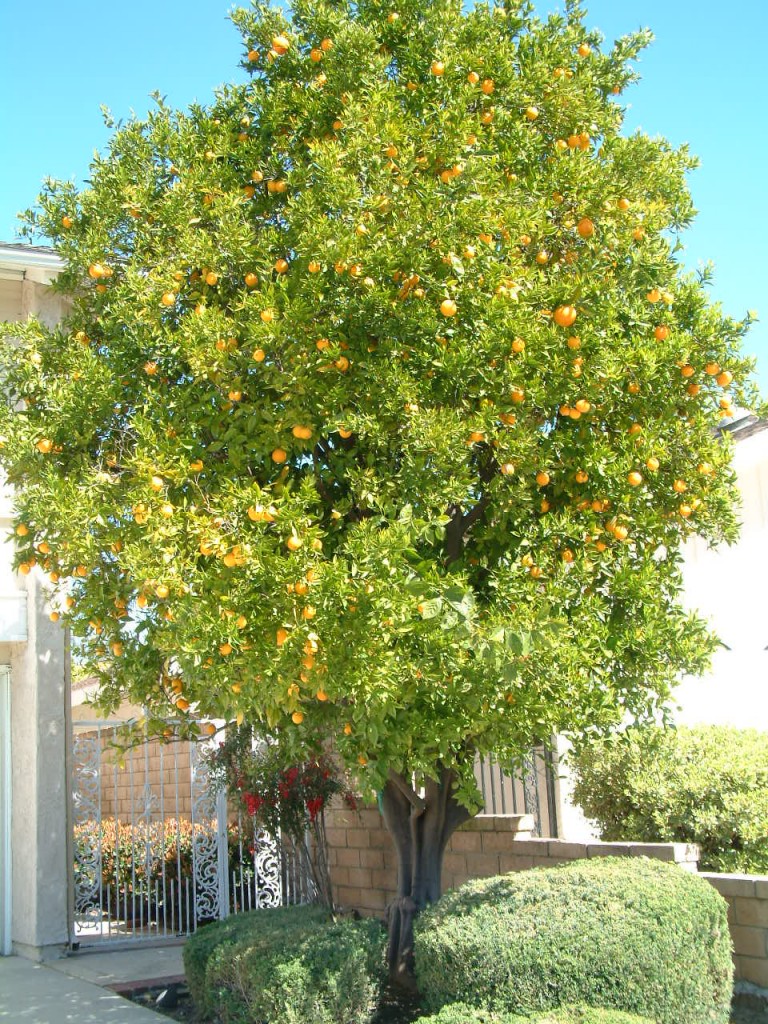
[[155, 852], [529, 790]]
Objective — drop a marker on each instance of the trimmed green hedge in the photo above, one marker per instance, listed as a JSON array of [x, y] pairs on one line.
[[285, 966], [461, 1013], [624, 933], [235, 931], [705, 785]]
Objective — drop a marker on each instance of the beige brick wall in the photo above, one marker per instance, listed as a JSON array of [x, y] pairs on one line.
[[364, 866], [747, 897], [362, 859]]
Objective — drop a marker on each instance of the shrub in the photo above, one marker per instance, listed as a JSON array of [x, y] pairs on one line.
[[286, 800], [235, 931], [460, 1013], [634, 935], [706, 785], [292, 965]]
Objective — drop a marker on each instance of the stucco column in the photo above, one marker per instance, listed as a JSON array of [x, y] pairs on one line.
[[39, 683], [39, 795]]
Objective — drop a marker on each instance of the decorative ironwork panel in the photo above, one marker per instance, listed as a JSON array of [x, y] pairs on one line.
[[266, 862], [531, 791], [86, 788], [206, 884], [153, 842]]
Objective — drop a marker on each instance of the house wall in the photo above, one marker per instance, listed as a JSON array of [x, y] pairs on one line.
[[39, 870], [727, 586], [10, 299], [39, 841]]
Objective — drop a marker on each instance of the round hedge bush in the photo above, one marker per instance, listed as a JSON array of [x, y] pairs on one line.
[[460, 1013], [286, 965], [623, 933]]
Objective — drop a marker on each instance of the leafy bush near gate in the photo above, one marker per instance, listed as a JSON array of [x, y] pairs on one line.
[[287, 965], [633, 935], [233, 932], [461, 1013], [705, 785]]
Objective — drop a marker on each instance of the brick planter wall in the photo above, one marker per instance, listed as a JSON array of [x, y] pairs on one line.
[[747, 897], [364, 865]]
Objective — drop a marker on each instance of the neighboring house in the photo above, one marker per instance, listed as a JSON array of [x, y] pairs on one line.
[[33, 693], [727, 585]]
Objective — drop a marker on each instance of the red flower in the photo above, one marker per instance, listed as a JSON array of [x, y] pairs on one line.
[[252, 802], [314, 807]]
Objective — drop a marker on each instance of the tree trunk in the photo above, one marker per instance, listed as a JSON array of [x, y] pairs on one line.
[[420, 828]]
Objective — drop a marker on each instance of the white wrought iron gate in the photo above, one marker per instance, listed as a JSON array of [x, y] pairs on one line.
[[155, 851]]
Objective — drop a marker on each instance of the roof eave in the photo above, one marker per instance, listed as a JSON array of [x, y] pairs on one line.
[[20, 257]]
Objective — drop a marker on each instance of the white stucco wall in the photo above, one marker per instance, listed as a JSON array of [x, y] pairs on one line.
[[728, 587], [39, 868]]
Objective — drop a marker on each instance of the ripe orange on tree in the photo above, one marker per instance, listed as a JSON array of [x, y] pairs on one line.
[[565, 316]]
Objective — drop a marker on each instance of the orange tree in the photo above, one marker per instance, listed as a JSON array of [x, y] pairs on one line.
[[383, 405]]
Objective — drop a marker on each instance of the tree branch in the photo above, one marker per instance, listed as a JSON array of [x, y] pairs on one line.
[[462, 522], [318, 453], [454, 534], [475, 512], [418, 806]]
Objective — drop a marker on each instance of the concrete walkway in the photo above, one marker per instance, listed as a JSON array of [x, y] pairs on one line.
[[78, 989]]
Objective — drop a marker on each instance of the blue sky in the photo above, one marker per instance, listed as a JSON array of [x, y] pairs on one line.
[[704, 83]]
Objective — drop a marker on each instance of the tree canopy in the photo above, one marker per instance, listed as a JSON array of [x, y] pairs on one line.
[[384, 403]]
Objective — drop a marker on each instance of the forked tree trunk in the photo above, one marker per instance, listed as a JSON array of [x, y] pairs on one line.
[[420, 828]]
